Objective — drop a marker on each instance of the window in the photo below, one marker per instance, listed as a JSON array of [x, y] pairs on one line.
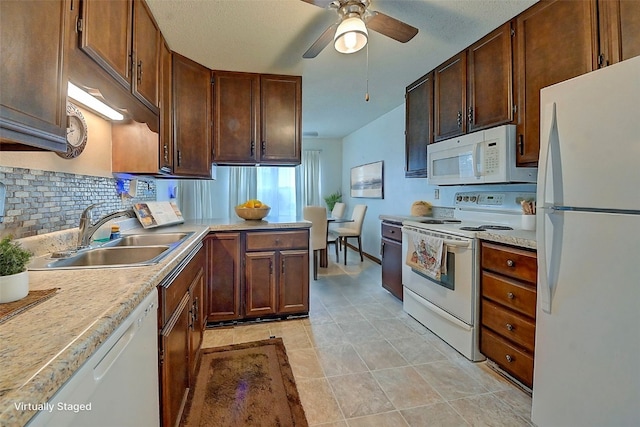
[[277, 188]]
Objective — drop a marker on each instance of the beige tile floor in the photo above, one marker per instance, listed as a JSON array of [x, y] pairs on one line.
[[360, 360]]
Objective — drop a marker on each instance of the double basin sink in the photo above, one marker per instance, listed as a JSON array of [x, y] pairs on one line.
[[127, 251]]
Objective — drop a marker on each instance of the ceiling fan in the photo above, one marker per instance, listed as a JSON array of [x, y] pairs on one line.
[[350, 32]]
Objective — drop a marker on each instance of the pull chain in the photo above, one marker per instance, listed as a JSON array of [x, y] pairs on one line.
[[366, 95]]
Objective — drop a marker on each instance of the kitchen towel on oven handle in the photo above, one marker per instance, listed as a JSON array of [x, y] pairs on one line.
[[429, 255]]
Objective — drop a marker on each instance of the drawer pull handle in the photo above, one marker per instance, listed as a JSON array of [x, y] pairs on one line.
[[509, 358], [510, 295], [510, 326], [510, 263]]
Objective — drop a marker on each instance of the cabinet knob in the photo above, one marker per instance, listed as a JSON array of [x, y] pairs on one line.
[[459, 119], [509, 358], [510, 326], [510, 295], [510, 263], [470, 115]]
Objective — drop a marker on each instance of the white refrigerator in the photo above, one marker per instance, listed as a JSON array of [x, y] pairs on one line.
[[587, 354]]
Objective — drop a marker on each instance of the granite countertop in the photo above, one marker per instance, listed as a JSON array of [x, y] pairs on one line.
[[43, 346]]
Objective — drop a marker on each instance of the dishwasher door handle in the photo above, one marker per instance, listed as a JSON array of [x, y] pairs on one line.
[[114, 352]]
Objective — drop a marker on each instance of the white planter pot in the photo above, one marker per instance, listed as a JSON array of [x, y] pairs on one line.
[[14, 287]]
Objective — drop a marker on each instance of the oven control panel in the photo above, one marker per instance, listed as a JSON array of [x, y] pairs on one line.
[[492, 200]]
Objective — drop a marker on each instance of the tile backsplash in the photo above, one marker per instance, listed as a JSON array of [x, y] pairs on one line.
[[39, 202]]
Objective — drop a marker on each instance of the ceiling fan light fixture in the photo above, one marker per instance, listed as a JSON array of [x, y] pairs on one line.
[[351, 35]]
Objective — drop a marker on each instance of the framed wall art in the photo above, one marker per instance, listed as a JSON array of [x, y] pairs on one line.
[[368, 181]]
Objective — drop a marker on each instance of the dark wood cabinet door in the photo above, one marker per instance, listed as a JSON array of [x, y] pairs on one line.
[[392, 267], [293, 283], [106, 36], [450, 93], [418, 126], [146, 53], [490, 80], [555, 41], [619, 30], [166, 111], [260, 283], [236, 110], [191, 117], [197, 314], [223, 281], [280, 120], [33, 77], [174, 363]]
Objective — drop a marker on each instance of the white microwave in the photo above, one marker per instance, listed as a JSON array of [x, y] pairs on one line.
[[484, 157]]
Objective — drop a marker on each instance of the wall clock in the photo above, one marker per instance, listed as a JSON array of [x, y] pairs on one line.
[[76, 133]]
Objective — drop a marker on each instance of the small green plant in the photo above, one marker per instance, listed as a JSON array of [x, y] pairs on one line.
[[13, 258], [332, 199]]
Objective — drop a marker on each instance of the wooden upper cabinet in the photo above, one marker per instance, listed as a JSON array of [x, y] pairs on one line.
[[418, 126], [280, 120], [191, 118], [105, 35], [619, 30], [236, 111], [257, 118], [123, 38], [33, 75], [555, 41], [146, 55], [450, 93], [490, 80], [166, 110]]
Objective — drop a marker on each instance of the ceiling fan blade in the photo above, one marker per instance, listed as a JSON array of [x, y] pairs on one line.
[[320, 3], [390, 27], [322, 42]]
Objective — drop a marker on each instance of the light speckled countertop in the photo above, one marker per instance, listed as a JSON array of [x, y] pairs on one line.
[[42, 347]]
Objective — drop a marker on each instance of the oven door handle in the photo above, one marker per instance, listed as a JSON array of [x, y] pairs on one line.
[[457, 243]]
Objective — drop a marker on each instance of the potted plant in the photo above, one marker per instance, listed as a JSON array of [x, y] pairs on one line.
[[332, 199], [14, 277]]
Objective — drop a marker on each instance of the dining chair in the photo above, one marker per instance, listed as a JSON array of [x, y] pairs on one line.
[[352, 229], [318, 233], [332, 236]]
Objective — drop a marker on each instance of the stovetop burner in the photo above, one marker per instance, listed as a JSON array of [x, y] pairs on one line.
[[487, 227], [440, 221]]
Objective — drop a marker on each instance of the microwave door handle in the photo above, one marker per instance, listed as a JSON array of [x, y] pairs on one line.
[[475, 159]]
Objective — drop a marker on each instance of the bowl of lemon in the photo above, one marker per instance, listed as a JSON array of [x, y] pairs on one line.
[[252, 210]]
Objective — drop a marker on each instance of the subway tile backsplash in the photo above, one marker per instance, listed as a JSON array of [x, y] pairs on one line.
[[39, 202]]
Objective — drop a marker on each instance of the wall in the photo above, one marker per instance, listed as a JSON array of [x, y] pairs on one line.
[[383, 139], [46, 193]]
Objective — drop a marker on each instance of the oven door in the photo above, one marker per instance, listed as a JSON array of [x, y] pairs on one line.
[[456, 292]]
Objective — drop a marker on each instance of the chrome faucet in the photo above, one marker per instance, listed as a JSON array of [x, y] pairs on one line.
[[87, 229]]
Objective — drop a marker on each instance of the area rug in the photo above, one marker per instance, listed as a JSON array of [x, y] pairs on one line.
[[249, 384]]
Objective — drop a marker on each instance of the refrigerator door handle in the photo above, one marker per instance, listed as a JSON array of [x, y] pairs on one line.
[[544, 209]]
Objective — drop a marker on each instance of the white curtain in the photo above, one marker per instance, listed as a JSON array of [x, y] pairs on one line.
[[243, 185], [195, 198], [311, 178]]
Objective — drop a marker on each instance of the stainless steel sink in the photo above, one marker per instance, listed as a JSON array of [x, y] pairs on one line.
[[149, 239], [128, 251]]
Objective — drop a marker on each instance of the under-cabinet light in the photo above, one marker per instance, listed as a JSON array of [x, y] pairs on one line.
[[89, 101]]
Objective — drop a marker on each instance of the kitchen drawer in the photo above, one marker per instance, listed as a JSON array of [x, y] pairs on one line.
[[513, 262], [392, 231], [510, 325], [277, 241], [510, 293], [170, 294], [507, 356]]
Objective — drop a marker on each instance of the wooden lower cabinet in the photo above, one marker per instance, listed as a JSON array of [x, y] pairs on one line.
[[254, 274], [391, 252], [508, 308], [181, 322]]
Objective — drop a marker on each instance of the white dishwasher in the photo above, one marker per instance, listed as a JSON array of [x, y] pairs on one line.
[[118, 384]]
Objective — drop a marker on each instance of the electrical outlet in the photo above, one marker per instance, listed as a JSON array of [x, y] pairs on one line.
[[436, 193]]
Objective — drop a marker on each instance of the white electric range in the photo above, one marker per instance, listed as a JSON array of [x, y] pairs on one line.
[[449, 307]]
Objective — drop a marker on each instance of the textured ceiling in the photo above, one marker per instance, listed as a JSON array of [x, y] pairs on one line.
[[270, 36]]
